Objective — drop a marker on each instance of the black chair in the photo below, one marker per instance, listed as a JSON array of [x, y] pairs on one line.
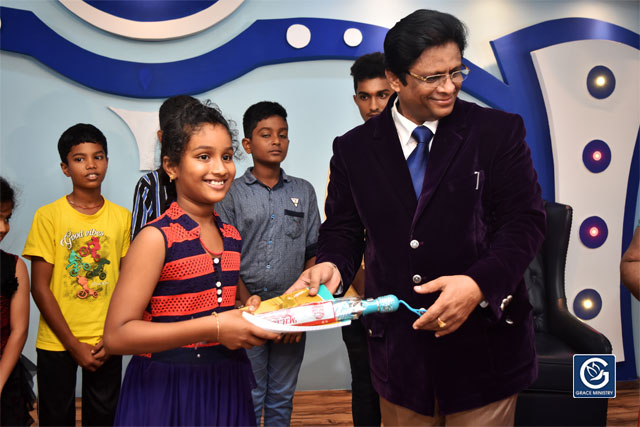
[[559, 335]]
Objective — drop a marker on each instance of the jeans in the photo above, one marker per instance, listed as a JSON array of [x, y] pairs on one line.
[[365, 403], [57, 390], [276, 367]]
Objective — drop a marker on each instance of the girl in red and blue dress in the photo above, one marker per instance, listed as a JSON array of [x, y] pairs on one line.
[[173, 306], [16, 371]]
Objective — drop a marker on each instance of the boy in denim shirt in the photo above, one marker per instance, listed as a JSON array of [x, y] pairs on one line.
[[277, 216]]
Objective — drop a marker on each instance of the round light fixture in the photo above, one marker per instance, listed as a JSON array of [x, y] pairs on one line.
[[593, 232], [600, 82], [587, 304], [596, 156]]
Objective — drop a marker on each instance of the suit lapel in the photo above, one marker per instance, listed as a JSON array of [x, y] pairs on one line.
[[388, 153], [450, 137]]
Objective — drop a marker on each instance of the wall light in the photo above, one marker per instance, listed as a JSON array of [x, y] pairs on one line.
[[596, 156], [587, 304], [600, 82], [593, 232]]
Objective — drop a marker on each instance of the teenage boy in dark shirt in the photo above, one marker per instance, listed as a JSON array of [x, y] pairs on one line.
[[372, 91]]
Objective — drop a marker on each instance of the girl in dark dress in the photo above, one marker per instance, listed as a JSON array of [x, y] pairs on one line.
[[173, 307], [16, 371]]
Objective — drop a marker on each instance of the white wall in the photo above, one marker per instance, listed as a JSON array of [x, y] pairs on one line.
[[37, 104]]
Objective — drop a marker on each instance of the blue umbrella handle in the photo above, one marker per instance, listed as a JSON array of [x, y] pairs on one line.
[[418, 312]]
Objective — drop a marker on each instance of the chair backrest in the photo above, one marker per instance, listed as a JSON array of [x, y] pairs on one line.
[[545, 275]]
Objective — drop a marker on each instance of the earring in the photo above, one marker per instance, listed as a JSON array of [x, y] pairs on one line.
[[170, 178]]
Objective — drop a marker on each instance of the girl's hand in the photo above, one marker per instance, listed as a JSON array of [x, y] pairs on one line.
[[253, 303], [236, 332]]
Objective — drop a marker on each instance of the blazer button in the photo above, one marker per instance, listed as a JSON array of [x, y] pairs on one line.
[[370, 332], [417, 278], [414, 244], [505, 302]]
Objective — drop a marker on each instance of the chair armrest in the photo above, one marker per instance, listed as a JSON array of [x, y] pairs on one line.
[[582, 338]]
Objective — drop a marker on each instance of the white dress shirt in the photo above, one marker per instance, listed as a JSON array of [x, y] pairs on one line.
[[405, 127]]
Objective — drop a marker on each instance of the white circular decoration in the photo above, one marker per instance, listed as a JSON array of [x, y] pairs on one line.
[[160, 30], [352, 37], [298, 36]]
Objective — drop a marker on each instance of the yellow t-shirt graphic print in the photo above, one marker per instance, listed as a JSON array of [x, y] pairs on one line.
[[85, 270]]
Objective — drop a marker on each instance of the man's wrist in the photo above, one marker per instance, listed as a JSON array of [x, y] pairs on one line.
[[340, 289]]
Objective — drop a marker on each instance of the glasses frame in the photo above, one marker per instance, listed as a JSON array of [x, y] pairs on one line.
[[463, 71]]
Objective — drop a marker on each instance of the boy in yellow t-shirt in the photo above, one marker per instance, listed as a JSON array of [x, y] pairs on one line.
[[75, 245]]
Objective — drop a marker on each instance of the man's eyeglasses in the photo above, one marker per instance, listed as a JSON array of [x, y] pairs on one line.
[[436, 80]]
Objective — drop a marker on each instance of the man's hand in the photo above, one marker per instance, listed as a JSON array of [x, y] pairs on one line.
[[460, 296], [325, 273]]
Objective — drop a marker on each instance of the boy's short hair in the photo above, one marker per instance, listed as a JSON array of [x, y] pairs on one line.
[[261, 111], [78, 134], [171, 106], [369, 66]]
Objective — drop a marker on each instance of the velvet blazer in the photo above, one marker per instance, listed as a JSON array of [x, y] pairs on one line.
[[479, 214]]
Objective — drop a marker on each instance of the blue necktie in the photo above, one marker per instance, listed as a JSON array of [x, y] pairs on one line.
[[417, 160]]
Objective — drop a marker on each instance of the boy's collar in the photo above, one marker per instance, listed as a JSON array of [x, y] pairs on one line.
[[249, 178]]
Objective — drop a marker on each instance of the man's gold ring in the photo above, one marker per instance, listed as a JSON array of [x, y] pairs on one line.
[[441, 323]]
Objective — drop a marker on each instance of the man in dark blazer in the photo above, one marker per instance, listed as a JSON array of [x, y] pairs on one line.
[[456, 242]]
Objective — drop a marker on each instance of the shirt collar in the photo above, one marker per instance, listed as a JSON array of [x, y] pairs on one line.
[[405, 127], [250, 179]]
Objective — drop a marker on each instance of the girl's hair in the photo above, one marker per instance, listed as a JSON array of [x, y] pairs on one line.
[[186, 121], [6, 192]]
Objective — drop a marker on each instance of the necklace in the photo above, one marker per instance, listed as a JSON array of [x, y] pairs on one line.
[[72, 203], [210, 252]]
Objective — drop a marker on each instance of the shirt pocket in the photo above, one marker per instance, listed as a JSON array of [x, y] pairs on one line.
[[468, 183], [293, 223]]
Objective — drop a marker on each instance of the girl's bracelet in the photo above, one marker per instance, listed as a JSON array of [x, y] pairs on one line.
[[217, 325]]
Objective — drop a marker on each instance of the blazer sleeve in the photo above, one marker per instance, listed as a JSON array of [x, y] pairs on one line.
[[313, 223], [341, 239], [517, 220]]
